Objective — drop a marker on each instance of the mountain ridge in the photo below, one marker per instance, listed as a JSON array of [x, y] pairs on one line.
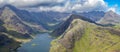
[[58, 31], [110, 17], [83, 36]]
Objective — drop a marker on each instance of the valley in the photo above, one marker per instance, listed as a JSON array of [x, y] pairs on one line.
[[20, 26], [41, 43], [51, 31]]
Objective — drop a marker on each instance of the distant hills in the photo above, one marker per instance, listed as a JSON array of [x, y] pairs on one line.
[[45, 20], [93, 15], [110, 17]]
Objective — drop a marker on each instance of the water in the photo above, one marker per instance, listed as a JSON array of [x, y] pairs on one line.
[[41, 43]]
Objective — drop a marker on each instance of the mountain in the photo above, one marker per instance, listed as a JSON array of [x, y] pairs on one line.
[[27, 18], [60, 29], [7, 43], [13, 30], [45, 20], [50, 19], [93, 15], [110, 17], [84, 36], [13, 22], [18, 26]]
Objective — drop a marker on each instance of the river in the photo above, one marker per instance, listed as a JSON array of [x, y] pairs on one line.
[[41, 43]]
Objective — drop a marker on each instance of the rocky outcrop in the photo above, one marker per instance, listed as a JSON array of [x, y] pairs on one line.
[[83, 36], [61, 29], [7, 44], [13, 22]]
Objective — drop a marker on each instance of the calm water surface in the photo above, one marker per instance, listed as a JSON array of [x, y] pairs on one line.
[[41, 43]]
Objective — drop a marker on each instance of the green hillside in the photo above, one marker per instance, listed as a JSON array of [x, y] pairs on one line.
[[82, 36]]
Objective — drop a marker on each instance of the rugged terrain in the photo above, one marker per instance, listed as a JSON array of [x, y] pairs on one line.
[[84, 36], [7, 43], [97, 31], [18, 26], [110, 17]]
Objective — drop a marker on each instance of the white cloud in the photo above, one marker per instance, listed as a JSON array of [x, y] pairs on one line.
[[68, 5], [20, 3], [91, 5], [79, 6], [55, 8], [112, 9]]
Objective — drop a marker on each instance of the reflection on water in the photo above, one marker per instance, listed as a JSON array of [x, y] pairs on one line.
[[41, 43]]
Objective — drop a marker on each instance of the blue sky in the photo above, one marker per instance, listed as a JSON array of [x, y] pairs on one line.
[[114, 3]]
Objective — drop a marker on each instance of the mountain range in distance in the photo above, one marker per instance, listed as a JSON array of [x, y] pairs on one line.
[[73, 31]]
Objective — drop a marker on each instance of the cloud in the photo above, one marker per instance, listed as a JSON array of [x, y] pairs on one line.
[[90, 5], [58, 5], [78, 6], [22, 3], [113, 8]]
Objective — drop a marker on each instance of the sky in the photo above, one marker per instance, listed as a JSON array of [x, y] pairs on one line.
[[65, 5], [115, 4]]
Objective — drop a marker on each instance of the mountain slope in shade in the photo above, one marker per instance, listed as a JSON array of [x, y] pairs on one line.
[[110, 17], [61, 29], [93, 15], [83, 36], [49, 20], [27, 18], [45, 20], [7, 44], [13, 22]]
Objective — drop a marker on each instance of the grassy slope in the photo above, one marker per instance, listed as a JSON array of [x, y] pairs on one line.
[[97, 41], [56, 45], [94, 39]]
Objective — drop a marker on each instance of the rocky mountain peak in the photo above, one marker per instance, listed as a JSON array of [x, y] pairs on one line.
[[110, 17], [111, 13]]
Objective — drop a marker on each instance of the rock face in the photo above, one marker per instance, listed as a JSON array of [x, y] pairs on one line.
[[110, 17], [84, 36], [13, 22], [24, 18], [7, 44], [61, 29]]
